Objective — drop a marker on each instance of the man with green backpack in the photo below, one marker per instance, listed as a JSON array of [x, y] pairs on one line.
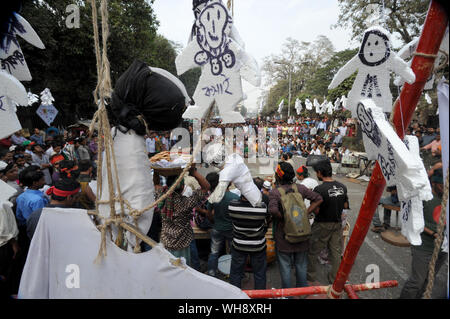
[[292, 229]]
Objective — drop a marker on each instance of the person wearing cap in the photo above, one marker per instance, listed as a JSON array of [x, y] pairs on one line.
[[421, 255], [304, 179], [28, 145], [288, 253], [266, 188], [64, 193]]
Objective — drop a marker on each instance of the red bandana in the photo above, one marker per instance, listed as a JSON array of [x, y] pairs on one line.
[[57, 192]]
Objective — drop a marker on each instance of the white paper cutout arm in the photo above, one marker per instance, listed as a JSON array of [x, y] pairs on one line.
[[348, 69], [186, 60], [29, 35], [12, 88], [400, 67]]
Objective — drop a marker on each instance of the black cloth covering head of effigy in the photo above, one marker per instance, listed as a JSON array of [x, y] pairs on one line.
[[141, 92]]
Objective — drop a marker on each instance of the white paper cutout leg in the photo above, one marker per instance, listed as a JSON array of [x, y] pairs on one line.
[[399, 166], [412, 220]]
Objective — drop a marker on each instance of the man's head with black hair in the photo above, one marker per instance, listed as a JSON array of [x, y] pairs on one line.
[[84, 165], [259, 182], [32, 177], [284, 174], [65, 192], [323, 169], [68, 169], [213, 180]]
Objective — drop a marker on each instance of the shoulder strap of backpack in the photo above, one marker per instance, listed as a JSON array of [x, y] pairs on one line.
[[282, 191]]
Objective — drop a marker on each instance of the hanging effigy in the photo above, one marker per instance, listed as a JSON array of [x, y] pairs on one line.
[[280, 106], [400, 166], [223, 62], [308, 105], [47, 111], [374, 63], [409, 50], [13, 67]]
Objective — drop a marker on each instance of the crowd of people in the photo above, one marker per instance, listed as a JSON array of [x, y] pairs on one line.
[[55, 170]]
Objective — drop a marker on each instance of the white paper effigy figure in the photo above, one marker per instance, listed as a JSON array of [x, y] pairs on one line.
[[408, 51], [399, 166], [223, 62], [13, 67], [374, 62], [308, 105], [232, 170]]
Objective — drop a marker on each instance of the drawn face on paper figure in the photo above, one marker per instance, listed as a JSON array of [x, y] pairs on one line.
[[375, 48], [215, 22], [216, 66], [229, 59]]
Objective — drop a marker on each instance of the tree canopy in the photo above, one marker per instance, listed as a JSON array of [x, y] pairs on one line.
[[67, 65]]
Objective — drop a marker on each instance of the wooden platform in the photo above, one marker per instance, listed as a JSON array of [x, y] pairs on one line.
[[394, 237]]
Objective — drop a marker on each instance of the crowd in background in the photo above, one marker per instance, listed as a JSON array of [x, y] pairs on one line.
[[54, 169]]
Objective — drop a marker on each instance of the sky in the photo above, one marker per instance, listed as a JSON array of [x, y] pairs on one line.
[[264, 25]]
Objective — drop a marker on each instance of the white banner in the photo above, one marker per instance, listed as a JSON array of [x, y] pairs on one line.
[[442, 91]]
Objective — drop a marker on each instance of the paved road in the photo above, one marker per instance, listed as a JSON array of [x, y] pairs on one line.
[[375, 255]]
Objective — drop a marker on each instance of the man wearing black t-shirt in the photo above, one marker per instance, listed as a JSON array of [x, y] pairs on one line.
[[327, 227]]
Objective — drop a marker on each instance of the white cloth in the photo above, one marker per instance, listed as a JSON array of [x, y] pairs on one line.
[[135, 177], [60, 264], [309, 183], [235, 171], [6, 191], [8, 225]]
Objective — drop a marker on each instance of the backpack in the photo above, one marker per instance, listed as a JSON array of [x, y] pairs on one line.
[[296, 222]]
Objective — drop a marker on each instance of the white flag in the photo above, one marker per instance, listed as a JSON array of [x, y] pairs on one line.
[[344, 102], [308, 105], [280, 107]]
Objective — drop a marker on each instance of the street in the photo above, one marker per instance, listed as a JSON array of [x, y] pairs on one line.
[[375, 255]]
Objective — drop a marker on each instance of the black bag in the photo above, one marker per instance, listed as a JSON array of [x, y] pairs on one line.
[[140, 92], [313, 159]]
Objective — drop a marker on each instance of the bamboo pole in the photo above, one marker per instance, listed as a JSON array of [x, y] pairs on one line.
[[315, 290], [350, 292], [404, 107]]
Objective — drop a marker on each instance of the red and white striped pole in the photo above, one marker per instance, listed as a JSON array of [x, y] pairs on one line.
[[404, 107]]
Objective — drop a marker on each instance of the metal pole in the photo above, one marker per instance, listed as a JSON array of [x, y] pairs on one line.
[[422, 65], [289, 103]]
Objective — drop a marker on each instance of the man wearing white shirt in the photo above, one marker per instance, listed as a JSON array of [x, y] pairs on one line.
[[150, 143], [41, 160], [315, 151], [343, 129]]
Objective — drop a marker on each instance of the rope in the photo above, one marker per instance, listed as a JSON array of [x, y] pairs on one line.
[[102, 91], [331, 292], [437, 241]]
